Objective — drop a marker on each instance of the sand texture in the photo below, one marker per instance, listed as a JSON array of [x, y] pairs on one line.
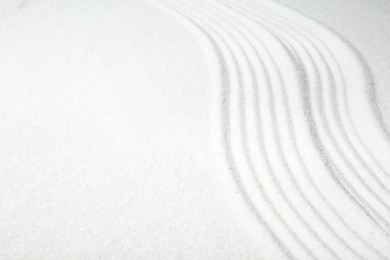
[[199, 129]]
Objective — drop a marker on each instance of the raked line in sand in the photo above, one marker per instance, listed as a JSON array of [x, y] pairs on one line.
[[297, 128]]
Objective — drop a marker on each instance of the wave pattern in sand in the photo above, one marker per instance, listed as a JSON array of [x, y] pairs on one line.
[[297, 128]]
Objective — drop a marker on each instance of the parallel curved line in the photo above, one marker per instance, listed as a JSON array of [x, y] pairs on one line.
[[270, 203], [225, 131], [284, 159], [335, 106], [293, 138], [367, 204], [311, 205], [273, 147]]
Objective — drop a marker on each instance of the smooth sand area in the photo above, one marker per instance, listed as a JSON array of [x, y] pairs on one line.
[[200, 129]]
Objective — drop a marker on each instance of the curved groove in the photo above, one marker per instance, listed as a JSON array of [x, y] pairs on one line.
[[225, 131], [300, 190], [265, 138], [261, 188], [338, 118], [309, 177], [360, 179], [263, 148], [366, 204]]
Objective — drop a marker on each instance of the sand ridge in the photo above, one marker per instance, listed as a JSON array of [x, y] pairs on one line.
[[291, 134]]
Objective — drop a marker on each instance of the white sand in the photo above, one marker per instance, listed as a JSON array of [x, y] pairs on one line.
[[204, 129]]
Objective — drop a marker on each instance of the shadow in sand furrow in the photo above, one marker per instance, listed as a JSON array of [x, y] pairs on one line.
[[287, 132], [309, 176], [224, 125], [360, 179], [294, 138], [263, 148], [268, 201]]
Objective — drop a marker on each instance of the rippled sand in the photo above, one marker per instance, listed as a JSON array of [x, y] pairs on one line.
[[215, 129]]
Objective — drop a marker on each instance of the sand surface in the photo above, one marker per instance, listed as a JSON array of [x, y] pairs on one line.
[[169, 129]]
